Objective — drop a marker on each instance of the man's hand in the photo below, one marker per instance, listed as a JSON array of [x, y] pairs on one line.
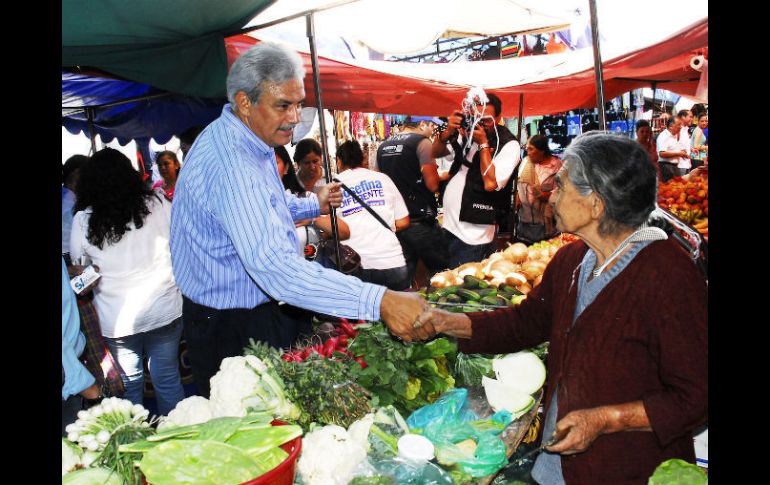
[[330, 193], [400, 312], [453, 125], [480, 134]]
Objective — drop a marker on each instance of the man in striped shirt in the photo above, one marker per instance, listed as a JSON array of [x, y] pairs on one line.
[[234, 249]]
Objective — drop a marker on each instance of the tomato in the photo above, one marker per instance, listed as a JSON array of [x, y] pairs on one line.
[[342, 341]]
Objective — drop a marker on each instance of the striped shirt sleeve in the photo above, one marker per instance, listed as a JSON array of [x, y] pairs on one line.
[[253, 211]]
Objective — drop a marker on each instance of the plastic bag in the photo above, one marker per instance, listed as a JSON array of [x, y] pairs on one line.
[[397, 471], [461, 439], [470, 368]]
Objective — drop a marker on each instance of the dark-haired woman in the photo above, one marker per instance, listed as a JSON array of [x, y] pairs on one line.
[[307, 156], [124, 229], [168, 167], [535, 183], [382, 257]]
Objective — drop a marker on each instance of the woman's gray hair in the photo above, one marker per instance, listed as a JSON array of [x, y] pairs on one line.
[[619, 170], [265, 62]]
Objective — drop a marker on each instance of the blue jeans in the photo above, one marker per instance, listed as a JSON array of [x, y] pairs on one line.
[[161, 346], [461, 253], [396, 279]]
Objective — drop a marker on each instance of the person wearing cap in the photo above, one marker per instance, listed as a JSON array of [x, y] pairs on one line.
[[406, 158], [480, 182]]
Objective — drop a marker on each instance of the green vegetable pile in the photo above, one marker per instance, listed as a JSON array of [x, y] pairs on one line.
[[408, 376], [473, 295], [678, 472], [325, 390], [220, 451]]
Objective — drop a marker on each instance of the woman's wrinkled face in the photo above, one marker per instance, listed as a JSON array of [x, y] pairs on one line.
[[572, 210]]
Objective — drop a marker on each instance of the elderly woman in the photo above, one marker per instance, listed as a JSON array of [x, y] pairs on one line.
[[627, 363], [124, 228], [533, 190], [168, 167]]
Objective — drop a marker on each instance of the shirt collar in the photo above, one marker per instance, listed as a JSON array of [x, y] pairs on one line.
[[243, 130]]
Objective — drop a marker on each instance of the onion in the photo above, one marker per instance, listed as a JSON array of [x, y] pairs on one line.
[[537, 280], [525, 288], [515, 279], [516, 252], [532, 269], [472, 269], [496, 281], [502, 267]]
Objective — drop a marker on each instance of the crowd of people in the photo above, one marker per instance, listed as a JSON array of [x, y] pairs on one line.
[[225, 248]]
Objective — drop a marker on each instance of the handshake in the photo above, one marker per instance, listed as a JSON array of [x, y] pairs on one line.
[[409, 317]]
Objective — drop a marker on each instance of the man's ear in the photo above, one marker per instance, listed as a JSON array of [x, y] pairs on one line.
[[243, 103]]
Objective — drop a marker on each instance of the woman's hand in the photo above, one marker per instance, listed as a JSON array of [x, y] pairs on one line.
[[452, 324]]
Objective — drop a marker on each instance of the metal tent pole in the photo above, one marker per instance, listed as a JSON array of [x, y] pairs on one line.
[[90, 116], [322, 125], [597, 65]]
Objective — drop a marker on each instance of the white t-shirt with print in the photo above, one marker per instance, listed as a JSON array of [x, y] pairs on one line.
[[378, 247], [505, 162]]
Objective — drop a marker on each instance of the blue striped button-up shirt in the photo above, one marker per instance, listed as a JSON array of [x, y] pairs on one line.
[[233, 243]]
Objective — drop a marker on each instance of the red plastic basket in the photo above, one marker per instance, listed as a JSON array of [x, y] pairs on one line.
[[284, 473]]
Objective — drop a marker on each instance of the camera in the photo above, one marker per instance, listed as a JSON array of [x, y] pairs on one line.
[[465, 123]]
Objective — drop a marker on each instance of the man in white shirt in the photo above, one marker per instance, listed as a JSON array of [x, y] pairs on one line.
[[685, 118], [672, 154], [478, 176]]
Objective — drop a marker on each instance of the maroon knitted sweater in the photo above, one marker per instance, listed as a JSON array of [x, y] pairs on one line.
[[645, 337]]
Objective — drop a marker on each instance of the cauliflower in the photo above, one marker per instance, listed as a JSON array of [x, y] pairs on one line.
[[193, 410], [330, 456], [243, 383]]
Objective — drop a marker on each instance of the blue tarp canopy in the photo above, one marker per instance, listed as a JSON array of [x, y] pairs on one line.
[[128, 110]]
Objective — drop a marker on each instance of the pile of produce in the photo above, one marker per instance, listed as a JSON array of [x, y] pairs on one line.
[[687, 199], [678, 472], [243, 384], [406, 376], [226, 449], [519, 376], [321, 383], [512, 272], [97, 435]]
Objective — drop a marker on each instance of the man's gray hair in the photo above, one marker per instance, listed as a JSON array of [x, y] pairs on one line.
[[619, 170], [264, 63]]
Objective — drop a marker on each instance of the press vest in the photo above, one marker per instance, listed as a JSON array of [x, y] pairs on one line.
[[479, 206], [397, 158]]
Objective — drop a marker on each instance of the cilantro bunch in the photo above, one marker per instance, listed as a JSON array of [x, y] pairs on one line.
[[408, 376]]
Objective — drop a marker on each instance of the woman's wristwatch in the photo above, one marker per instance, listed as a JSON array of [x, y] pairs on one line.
[[483, 146]]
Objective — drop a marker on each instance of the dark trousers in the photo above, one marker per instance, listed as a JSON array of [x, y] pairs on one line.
[[396, 279], [212, 334], [461, 252], [668, 171], [424, 240]]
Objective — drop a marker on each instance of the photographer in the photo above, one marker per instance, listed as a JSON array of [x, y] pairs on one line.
[[480, 177]]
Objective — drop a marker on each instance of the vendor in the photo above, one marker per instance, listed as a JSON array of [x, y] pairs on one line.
[[627, 364]]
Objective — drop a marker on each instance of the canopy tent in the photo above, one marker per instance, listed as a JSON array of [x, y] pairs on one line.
[[552, 83], [174, 45], [127, 110]]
